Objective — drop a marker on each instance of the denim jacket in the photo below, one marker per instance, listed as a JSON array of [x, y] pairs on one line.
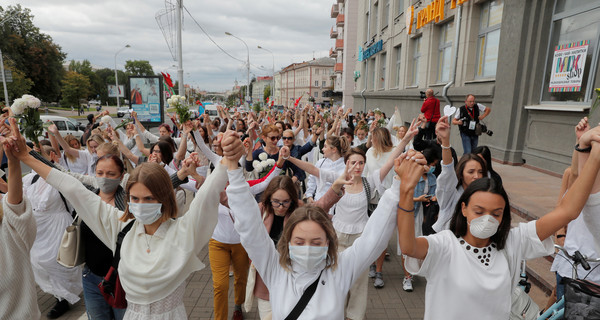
[[420, 188]]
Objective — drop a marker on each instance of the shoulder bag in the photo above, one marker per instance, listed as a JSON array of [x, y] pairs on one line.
[[110, 287]]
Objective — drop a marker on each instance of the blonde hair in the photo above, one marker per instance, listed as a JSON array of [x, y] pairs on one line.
[[382, 141], [96, 138], [308, 213], [68, 138], [154, 177]]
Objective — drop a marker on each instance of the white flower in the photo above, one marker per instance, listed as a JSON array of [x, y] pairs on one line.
[[18, 106], [32, 102], [255, 164], [105, 119], [270, 162], [174, 97], [170, 101], [182, 99], [263, 156], [264, 163]]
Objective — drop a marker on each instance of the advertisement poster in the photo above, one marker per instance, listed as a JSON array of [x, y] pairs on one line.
[[145, 99], [112, 91], [568, 67]]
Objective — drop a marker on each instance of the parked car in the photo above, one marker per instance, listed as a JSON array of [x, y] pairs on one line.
[[65, 126], [123, 111], [194, 113]]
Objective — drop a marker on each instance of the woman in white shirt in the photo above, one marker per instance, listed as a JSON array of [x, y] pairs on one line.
[[472, 269], [73, 158], [307, 252], [160, 252]]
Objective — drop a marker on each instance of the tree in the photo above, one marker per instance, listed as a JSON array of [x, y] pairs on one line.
[[33, 53], [233, 100], [75, 86], [138, 68], [20, 84], [266, 93]]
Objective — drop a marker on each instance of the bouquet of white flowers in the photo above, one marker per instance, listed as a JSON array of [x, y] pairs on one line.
[[26, 109], [264, 165], [178, 102]]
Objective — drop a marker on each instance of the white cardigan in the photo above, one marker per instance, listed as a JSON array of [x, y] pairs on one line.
[[175, 246], [18, 296], [286, 287]]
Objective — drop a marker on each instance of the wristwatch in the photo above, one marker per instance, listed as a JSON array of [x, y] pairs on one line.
[[588, 149]]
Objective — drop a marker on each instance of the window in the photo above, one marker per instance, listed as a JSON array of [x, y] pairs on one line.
[[373, 73], [324, 83], [316, 94], [445, 52], [400, 4], [489, 38], [386, 13], [398, 53], [374, 19], [573, 23], [382, 72], [317, 83], [416, 43], [71, 126], [316, 71], [60, 125]]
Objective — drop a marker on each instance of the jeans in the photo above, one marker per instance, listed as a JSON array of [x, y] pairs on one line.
[[96, 307], [560, 288], [469, 142]]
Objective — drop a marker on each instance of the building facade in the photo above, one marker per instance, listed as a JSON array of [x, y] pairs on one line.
[[258, 88], [534, 63], [345, 13], [305, 80]]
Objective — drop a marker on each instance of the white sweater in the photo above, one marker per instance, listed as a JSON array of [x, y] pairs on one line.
[[175, 246], [18, 296], [285, 287]]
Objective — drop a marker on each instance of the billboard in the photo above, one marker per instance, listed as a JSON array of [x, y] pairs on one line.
[[112, 91], [145, 97]]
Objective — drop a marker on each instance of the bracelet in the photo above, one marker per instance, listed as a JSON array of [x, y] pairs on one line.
[[446, 148], [341, 193], [285, 158], [407, 211], [588, 149]]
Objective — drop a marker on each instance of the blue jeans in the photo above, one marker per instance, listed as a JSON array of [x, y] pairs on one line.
[[560, 288], [469, 142], [96, 307]]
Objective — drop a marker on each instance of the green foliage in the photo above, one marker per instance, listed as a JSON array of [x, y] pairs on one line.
[[256, 107], [34, 126], [266, 92], [596, 101], [20, 84], [75, 86], [32, 52], [232, 100], [138, 68]]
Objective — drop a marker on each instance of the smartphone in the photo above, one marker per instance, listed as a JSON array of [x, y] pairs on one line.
[[428, 196]]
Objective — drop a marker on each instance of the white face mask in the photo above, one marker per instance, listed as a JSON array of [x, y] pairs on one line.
[[107, 185], [484, 227], [146, 213], [308, 257]]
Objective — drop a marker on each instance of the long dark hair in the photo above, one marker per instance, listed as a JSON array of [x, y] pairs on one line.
[[486, 154], [462, 163], [458, 223], [284, 183]]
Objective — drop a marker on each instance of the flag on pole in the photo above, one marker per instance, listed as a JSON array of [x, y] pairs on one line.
[[297, 101]]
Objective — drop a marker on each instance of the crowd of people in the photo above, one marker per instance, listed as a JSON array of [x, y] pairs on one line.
[[298, 205]]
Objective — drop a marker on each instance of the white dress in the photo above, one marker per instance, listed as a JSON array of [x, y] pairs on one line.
[[469, 283], [52, 218]]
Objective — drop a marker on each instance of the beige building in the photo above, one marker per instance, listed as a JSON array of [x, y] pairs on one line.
[[304, 80], [345, 13], [258, 88], [277, 88]]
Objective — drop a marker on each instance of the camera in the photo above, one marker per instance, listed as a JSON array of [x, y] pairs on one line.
[[479, 128], [423, 96], [484, 129]]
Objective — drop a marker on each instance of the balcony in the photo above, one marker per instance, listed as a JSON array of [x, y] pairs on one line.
[[339, 20], [334, 10], [332, 53], [333, 33], [339, 44], [339, 67]]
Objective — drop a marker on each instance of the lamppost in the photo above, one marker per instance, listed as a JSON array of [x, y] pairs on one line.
[[247, 68], [117, 76], [3, 75], [273, 78]]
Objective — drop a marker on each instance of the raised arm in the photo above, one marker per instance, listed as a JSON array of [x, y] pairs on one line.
[[308, 167], [442, 130], [66, 147], [396, 152]]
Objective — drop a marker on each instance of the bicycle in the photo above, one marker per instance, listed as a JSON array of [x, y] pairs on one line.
[[557, 310]]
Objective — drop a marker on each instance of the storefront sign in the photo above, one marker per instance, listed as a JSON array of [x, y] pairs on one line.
[[434, 11], [365, 54], [410, 17], [453, 3], [568, 66]]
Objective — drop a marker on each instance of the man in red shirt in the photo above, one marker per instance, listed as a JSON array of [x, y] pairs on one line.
[[431, 111]]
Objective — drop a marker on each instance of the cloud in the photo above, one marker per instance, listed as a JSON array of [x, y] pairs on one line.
[[294, 31]]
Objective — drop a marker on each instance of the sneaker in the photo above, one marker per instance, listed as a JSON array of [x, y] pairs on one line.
[[372, 271], [58, 310], [407, 284], [378, 280], [237, 315]]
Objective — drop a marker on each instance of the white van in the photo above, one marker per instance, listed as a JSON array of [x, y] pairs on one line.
[[65, 126], [211, 109]]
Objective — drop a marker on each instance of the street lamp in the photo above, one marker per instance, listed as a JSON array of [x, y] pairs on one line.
[[247, 68], [272, 79], [117, 76]]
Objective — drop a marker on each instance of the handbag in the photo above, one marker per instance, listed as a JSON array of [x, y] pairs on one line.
[[71, 250], [370, 206], [110, 287], [582, 299], [306, 296]]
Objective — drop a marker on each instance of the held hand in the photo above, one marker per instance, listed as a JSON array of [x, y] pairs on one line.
[[409, 167], [232, 149], [284, 152], [591, 135], [134, 115], [421, 198], [15, 143], [581, 128], [53, 129]]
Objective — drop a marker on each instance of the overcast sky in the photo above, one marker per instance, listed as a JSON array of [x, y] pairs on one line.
[[294, 31]]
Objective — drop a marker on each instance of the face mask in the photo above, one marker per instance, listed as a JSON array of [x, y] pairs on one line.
[[354, 122], [431, 169], [107, 185], [308, 257], [484, 227], [146, 213]]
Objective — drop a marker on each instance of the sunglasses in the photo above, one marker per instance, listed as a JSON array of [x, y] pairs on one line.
[[288, 138], [275, 138]]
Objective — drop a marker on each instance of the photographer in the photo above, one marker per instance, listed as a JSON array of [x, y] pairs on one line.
[[467, 120]]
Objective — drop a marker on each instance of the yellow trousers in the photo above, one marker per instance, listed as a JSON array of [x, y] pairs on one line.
[[221, 255]]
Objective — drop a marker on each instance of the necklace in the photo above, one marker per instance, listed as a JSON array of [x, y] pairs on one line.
[[148, 242]]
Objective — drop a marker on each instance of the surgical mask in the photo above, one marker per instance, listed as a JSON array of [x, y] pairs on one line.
[[146, 213], [107, 185], [431, 169], [484, 227], [308, 257]]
